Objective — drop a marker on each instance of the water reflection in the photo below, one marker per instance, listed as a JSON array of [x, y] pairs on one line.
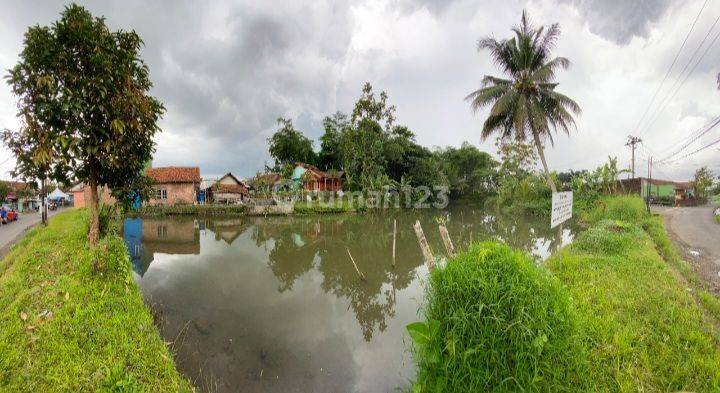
[[274, 304]]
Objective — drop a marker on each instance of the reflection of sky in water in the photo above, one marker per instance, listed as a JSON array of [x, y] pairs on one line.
[[274, 304]]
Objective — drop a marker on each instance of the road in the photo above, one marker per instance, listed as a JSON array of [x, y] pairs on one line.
[[14, 231], [697, 234]]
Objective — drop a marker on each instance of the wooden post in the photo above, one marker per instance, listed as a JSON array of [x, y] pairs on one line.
[[362, 276], [394, 236], [424, 246], [446, 239]]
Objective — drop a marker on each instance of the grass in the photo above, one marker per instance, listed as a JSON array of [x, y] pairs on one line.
[[619, 310], [323, 207], [648, 326], [188, 209], [72, 319], [495, 321]]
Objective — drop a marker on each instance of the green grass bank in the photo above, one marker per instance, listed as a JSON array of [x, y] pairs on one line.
[[73, 319], [620, 305]]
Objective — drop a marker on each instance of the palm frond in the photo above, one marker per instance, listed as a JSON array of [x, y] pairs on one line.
[[486, 95], [546, 72]]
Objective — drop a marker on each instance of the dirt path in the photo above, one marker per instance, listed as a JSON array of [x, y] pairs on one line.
[[697, 234]]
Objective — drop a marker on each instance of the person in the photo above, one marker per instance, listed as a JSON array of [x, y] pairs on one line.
[[3, 215]]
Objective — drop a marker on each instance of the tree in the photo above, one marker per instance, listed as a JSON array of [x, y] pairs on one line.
[[288, 146], [330, 156], [32, 143], [368, 107], [98, 115], [4, 191], [470, 172], [702, 182], [526, 104]]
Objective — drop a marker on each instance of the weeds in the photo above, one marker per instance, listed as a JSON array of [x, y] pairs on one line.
[[494, 320]]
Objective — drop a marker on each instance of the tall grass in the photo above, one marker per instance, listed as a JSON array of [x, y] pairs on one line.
[[496, 321]]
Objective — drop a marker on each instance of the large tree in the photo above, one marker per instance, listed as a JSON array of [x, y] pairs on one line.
[[702, 183], [288, 146], [525, 105], [100, 117], [330, 155]]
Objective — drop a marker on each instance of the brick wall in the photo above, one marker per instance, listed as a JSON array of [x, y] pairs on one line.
[[80, 199], [177, 193]]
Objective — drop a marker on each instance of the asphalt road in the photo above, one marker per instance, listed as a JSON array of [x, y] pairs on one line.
[[14, 231], [696, 232]]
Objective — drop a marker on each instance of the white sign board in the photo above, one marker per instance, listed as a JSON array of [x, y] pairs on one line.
[[561, 208]]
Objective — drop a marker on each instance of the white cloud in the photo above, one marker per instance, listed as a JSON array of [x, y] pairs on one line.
[[226, 71]]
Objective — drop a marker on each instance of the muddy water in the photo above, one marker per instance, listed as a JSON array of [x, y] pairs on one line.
[[275, 304]]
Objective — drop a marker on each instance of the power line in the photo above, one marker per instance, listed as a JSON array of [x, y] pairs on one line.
[[693, 135], [667, 73], [693, 153], [673, 90], [709, 127]]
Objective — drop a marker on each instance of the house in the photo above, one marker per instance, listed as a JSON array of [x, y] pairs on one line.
[[313, 179], [265, 183], [229, 190], [661, 191], [174, 185], [81, 195], [22, 195]]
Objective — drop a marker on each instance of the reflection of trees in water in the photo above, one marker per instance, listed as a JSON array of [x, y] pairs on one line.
[[295, 245]]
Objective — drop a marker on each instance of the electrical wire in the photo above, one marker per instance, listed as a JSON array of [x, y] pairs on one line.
[[707, 128], [673, 90], [693, 153], [667, 73]]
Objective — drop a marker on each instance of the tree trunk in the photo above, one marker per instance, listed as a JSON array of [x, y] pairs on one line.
[[94, 232], [43, 203], [539, 147]]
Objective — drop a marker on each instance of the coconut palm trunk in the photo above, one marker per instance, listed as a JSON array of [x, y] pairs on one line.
[[541, 153]]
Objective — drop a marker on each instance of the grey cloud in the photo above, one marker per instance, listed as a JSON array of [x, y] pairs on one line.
[[621, 20]]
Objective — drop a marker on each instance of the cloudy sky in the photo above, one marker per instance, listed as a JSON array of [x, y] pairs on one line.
[[226, 71]]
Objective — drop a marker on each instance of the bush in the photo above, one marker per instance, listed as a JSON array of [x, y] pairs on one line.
[[626, 208], [496, 321], [608, 237]]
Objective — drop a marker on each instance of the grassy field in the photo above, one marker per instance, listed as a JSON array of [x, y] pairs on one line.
[[641, 316], [72, 319]]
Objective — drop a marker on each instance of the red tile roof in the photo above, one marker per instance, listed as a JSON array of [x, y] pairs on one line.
[[174, 174]]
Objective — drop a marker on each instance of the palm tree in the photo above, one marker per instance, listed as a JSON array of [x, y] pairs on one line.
[[525, 103]]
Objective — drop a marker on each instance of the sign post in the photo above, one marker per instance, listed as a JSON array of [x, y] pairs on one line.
[[561, 208]]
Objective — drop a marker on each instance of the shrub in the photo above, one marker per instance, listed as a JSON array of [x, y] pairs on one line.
[[608, 237], [626, 208], [496, 321]]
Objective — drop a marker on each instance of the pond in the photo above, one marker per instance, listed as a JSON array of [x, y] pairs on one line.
[[274, 304]]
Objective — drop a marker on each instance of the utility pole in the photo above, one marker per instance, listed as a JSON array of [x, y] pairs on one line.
[[632, 141]]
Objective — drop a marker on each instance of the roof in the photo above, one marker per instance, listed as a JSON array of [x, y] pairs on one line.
[[231, 188], [332, 174], [80, 187], [268, 178], [175, 174]]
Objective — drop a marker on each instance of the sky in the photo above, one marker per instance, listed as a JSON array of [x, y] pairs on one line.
[[227, 70]]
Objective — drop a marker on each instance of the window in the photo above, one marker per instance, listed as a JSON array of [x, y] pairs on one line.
[[160, 193], [162, 231]]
